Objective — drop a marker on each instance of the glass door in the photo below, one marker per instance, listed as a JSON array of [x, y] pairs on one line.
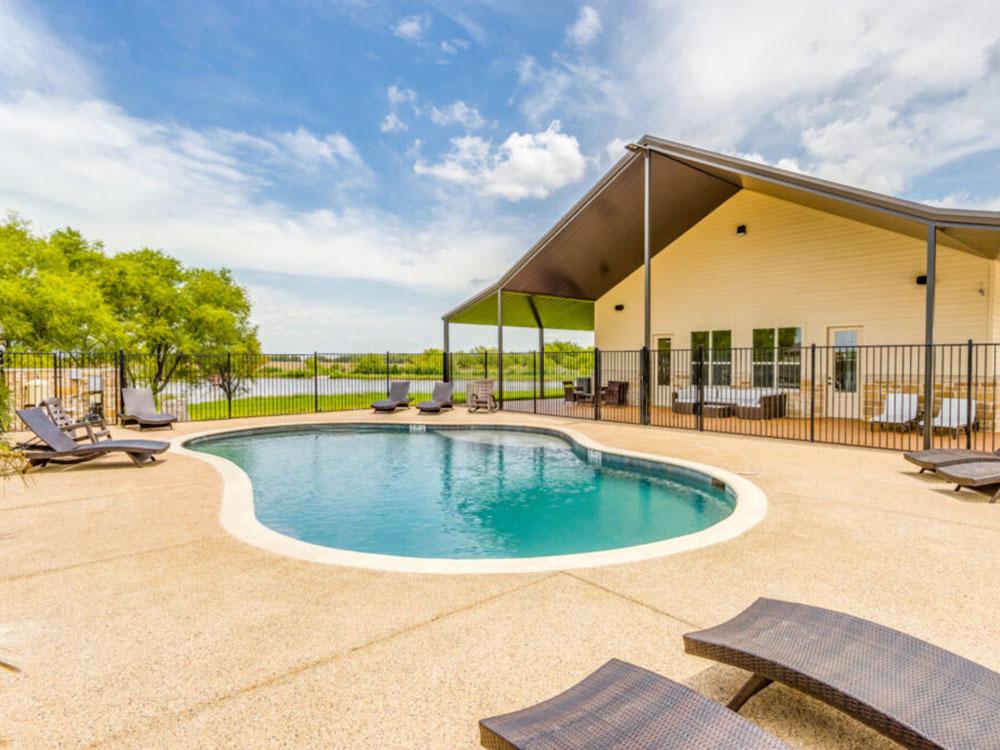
[[663, 367], [843, 379]]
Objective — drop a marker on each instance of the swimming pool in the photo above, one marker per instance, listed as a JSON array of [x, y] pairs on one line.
[[464, 494]]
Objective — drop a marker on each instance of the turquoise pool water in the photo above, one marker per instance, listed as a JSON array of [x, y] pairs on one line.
[[463, 494]]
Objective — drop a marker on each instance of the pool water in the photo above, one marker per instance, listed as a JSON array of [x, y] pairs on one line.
[[463, 494]]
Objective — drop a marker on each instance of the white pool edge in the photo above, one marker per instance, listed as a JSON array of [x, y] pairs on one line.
[[238, 518]]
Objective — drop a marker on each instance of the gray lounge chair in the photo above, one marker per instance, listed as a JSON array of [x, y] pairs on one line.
[[915, 693], [63, 449], [936, 458], [440, 399], [624, 706], [974, 474], [93, 425], [398, 397], [140, 409]]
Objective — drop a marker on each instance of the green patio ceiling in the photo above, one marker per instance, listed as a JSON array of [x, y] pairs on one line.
[[559, 313]]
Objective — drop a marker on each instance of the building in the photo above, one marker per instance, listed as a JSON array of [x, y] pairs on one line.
[[733, 269]]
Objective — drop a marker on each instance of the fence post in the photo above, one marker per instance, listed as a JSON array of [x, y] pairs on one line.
[[812, 393], [500, 379], [968, 397], [316, 381], [229, 385], [534, 383], [387, 374], [445, 370], [644, 385], [597, 383], [122, 383], [700, 406], [486, 365], [55, 375]]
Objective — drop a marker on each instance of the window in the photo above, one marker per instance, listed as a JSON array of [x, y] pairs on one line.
[[777, 357], [717, 368], [663, 361]]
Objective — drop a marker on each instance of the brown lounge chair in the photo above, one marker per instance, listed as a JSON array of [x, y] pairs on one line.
[[934, 458], [624, 706], [915, 693], [63, 449], [975, 474], [140, 409]]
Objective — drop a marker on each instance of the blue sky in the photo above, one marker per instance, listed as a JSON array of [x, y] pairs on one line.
[[364, 166]]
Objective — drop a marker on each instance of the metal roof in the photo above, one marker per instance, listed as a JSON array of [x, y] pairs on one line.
[[598, 242]]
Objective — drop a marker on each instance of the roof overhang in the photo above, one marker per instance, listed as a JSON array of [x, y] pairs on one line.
[[598, 242]]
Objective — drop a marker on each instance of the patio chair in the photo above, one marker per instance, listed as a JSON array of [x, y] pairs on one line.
[[899, 410], [935, 458], [909, 690], [615, 393], [584, 391], [61, 448], [974, 474], [622, 705], [569, 391], [93, 425], [141, 410], [440, 399], [954, 416], [398, 397], [480, 396]]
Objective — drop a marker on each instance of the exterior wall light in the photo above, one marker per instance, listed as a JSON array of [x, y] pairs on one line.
[[741, 230], [922, 280], [619, 307]]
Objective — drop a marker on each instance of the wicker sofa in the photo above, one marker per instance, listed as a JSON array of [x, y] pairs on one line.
[[743, 403]]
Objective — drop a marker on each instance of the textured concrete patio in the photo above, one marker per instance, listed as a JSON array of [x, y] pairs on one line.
[[140, 622]]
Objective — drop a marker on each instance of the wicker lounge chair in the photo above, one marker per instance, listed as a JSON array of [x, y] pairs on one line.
[[624, 706], [479, 395], [440, 399], [93, 425], [398, 397], [140, 409], [63, 449], [899, 410], [974, 474], [935, 458], [909, 690]]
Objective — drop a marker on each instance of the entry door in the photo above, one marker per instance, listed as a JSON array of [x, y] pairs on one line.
[[843, 373], [663, 369]]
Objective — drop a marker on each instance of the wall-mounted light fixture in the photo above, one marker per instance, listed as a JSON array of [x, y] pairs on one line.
[[619, 307], [741, 230], [922, 280]]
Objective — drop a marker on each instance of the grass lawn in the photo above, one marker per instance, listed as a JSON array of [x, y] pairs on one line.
[[268, 406]]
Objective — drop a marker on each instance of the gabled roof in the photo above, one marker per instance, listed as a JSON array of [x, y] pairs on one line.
[[598, 242]]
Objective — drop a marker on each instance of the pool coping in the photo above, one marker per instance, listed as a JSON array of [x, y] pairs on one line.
[[238, 518]]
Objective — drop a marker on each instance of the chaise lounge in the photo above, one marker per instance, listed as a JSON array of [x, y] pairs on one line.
[[141, 410], [728, 401], [440, 399], [899, 410], [61, 448], [973, 474], [933, 459], [624, 706], [398, 397], [913, 692]]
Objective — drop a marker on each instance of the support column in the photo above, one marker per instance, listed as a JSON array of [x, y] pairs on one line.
[[500, 347], [645, 388], [929, 336], [541, 361], [445, 369]]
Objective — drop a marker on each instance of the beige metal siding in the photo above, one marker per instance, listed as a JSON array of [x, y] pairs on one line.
[[799, 267]]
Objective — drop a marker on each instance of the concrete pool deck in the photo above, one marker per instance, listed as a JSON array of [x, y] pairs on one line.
[[139, 621]]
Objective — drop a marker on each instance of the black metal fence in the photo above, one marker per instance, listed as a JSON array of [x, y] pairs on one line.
[[851, 395]]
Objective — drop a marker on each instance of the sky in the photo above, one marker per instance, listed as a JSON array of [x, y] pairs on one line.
[[364, 166]]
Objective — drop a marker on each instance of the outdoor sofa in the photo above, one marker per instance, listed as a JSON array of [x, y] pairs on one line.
[[61, 448], [911, 691], [140, 409], [398, 397], [726, 401], [440, 399]]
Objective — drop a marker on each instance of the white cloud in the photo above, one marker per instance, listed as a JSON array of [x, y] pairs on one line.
[[392, 124], [399, 95], [412, 28], [529, 165], [586, 27], [615, 149], [33, 60], [968, 201], [453, 46], [458, 113]]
